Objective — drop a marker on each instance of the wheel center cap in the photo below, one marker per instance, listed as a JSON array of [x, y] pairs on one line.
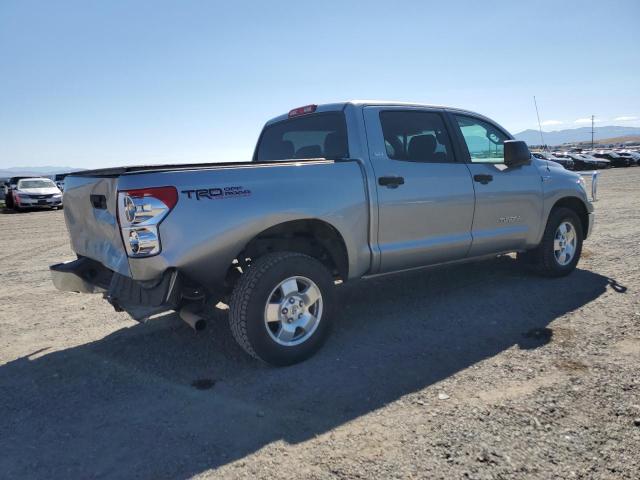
[[293, 306]]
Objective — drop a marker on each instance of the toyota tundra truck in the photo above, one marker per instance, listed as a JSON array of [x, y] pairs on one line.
[[334, 193]]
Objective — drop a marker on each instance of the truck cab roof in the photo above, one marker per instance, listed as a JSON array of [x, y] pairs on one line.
[[341, 106]]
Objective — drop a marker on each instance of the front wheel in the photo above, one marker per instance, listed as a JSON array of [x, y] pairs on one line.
[[280, 308], [561, 245]]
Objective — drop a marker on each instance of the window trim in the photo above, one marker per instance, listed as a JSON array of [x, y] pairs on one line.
[[462, 144], [452, 155], [318, 114]]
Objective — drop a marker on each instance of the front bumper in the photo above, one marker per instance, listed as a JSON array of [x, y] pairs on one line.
[[139, 299], [592, 221], [39, 203]]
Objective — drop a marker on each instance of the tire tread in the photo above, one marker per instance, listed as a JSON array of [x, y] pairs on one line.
[[238, 305], [541, 259]]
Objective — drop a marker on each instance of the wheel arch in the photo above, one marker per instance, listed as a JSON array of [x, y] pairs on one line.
[[314, 237], [577, 205]]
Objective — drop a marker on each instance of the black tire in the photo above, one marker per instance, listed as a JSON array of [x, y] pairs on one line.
[[542, 259], [249, 298]]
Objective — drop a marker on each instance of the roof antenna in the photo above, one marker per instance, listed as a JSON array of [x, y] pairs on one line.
[[539, 124]]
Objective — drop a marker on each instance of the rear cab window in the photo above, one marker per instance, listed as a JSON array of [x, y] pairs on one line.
[[320, 135]]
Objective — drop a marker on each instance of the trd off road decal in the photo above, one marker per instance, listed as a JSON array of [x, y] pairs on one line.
[[217, 193]]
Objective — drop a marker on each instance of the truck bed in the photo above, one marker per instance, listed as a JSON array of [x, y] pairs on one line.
[[135, 169], [201, 236]]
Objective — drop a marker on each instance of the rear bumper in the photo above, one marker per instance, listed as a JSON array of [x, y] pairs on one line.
[[139, 299], [82, 276]]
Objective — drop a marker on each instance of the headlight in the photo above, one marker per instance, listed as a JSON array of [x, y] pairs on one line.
[[580, 182]]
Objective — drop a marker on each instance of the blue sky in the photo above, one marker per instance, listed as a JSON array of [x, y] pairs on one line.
[[102, 83]]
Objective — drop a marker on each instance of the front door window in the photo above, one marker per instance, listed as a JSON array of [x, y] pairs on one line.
[[484, 141]]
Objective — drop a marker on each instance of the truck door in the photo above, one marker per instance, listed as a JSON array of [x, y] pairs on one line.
[[425, 194], [508, 210]]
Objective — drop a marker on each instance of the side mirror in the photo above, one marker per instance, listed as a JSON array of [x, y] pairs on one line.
[[516, 153]]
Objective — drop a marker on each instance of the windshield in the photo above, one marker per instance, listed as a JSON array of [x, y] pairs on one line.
[[36, 183], [315, 136]]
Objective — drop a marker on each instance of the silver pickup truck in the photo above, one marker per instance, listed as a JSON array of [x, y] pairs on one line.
[[334, 192]]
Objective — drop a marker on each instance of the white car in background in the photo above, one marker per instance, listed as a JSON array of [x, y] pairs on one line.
[[36, 193]]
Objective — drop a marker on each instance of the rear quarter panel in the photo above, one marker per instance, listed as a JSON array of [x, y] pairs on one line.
[[94, 233], [201, 237]]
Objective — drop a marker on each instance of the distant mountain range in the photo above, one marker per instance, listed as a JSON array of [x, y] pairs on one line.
[[44, 171], [582, 134], [532, 137]]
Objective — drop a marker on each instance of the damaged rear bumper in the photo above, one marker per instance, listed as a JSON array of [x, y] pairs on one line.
[[83, 276], [140, 299]]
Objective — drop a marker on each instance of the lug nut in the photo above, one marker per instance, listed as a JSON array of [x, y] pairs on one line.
[[289, 320], [299, 315], [285, 311], [291, 300], [301, 303]]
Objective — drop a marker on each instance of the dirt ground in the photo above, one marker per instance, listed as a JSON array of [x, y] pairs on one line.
[[472, 371]]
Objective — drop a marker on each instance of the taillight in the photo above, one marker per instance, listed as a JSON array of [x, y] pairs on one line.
[[167, 195], [140, 212], [302, 110]]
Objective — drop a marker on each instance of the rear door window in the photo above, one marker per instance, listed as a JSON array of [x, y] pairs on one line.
[[321, 135], [415, 136]]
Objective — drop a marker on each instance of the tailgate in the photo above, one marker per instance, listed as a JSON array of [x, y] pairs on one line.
[[90, 213]]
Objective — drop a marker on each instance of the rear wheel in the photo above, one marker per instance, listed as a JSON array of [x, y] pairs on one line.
[[561, 245], [280, 308]]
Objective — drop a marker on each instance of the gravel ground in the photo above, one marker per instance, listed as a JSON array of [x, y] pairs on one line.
[[475, 371]]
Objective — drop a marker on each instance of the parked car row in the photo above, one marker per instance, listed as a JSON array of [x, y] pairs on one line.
[[591, 160], [31, 192]]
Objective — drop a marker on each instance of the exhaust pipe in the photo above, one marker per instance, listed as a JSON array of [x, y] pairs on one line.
[[192, 319]]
